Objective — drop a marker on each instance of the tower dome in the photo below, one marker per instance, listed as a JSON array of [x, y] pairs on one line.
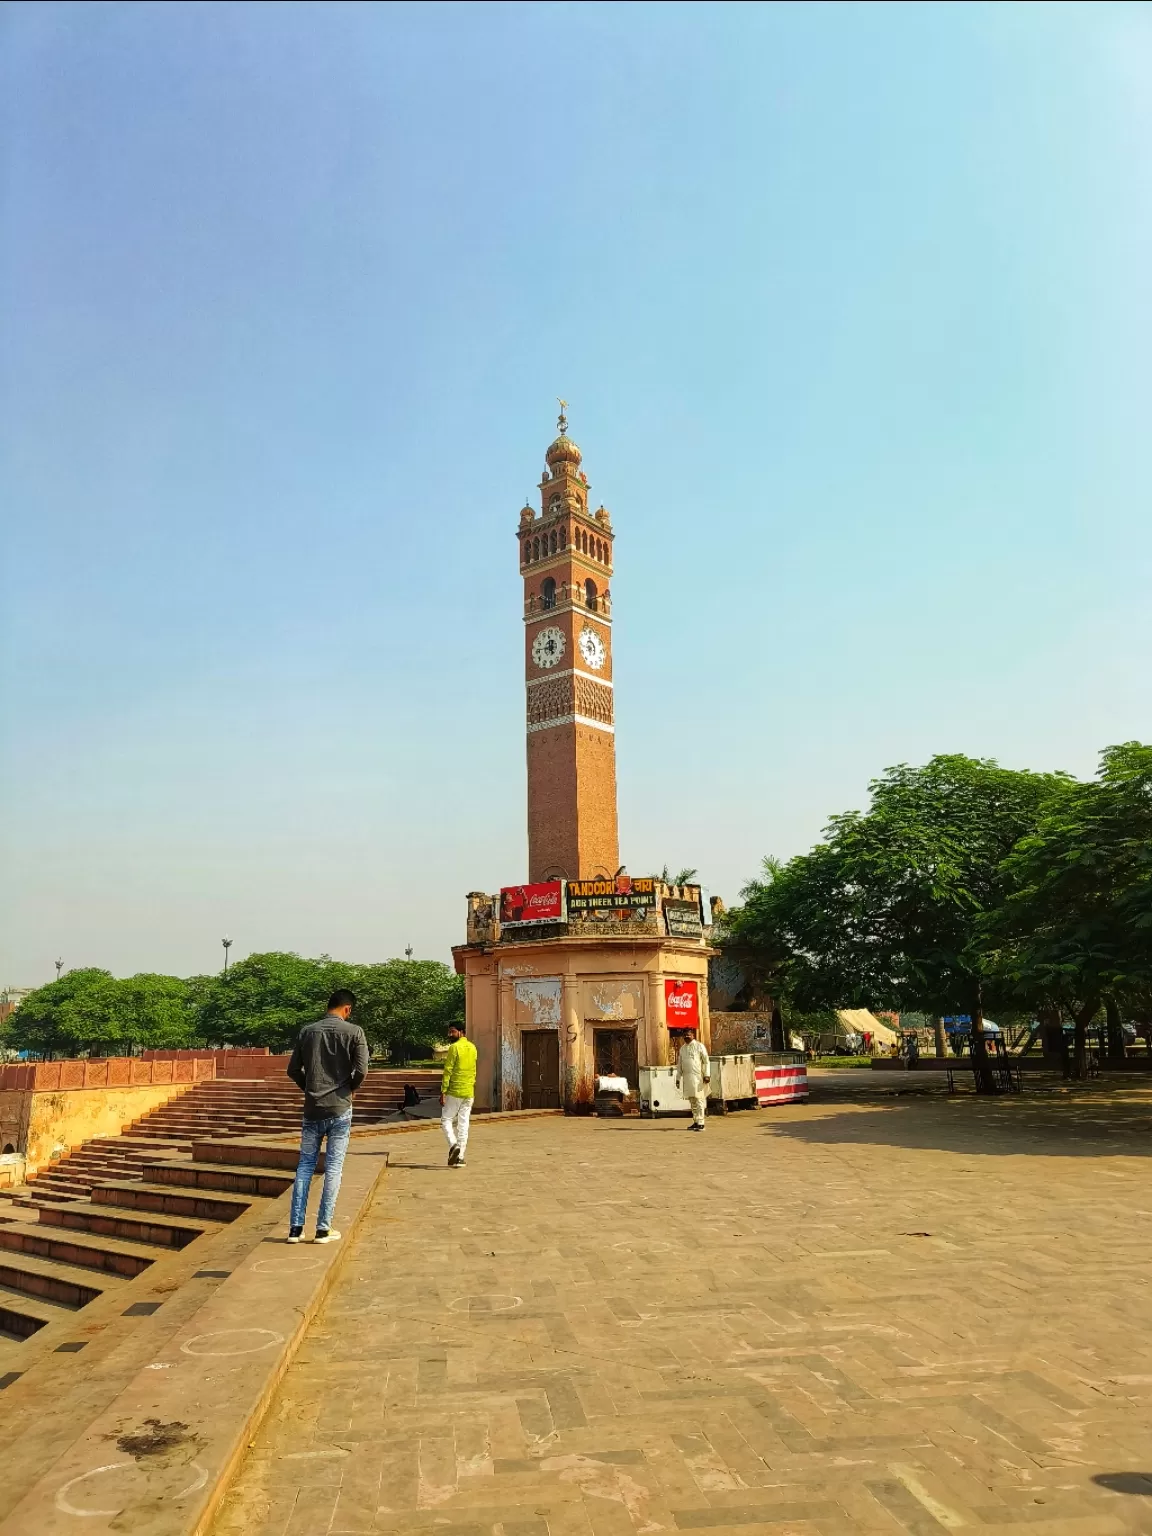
[[563, 450]]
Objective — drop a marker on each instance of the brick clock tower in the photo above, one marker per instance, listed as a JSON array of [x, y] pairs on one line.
[[566, 563]]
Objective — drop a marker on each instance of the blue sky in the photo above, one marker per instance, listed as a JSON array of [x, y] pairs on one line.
[[851, 306]]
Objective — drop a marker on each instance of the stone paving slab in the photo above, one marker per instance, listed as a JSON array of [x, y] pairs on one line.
[[887, 1314], [157, 1458]]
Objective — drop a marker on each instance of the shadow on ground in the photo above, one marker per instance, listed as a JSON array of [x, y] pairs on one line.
[[1084, 1120], [1126, 1482]]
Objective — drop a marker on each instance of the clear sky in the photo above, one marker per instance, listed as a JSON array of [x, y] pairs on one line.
[[851, 304]]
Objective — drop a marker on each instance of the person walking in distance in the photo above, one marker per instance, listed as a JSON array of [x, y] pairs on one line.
[[695, 1071], [329, 1063], [457, 1090]]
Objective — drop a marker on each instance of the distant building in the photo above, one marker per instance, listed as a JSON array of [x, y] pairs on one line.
[[10, 1000]]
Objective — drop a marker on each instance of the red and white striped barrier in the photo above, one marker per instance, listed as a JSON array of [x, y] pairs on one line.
[[781, 1085]]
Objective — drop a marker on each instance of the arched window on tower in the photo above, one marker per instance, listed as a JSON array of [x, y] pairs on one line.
[[590, 594], [563, 538], [552, 542], [548, 593], [536, 549], [527, 551]]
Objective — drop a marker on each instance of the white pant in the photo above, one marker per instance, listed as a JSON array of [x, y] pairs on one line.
[[696, 1103], [454, 1118]]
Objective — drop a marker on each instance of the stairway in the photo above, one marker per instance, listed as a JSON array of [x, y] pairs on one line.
[[104, 1214]]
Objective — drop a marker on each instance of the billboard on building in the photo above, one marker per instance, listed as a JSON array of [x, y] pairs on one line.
[[521, 905], [681, 1004], [623, 894], [682, 919]]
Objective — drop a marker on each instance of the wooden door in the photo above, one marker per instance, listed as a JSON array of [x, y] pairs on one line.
[[541, 1065], [616, 1054]]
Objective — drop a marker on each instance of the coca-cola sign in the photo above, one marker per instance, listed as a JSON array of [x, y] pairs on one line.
[[681, 1004], [521, 905]]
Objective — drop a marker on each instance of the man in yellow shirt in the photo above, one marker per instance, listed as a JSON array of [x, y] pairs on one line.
[[457, 1090]]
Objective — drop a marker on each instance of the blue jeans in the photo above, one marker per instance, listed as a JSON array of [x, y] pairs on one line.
[[337, 1129]]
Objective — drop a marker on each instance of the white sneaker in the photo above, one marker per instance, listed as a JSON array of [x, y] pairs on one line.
[[460, 1163], [294, 1237], [331, 1236]]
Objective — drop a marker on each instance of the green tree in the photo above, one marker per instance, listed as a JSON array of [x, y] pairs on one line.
[[1074, 931], [267, 999], [886, 912], [406, 1006], [90, 1010], [683, 876], [47, 1020], [153, 1011]]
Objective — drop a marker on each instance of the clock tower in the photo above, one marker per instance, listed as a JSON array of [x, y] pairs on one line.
[[566, 563]]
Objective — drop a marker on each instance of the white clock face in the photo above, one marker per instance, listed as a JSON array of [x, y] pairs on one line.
[[592, 648], [548, 647]]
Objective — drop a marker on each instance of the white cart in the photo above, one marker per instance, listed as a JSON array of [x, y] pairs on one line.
[[659, 1093]]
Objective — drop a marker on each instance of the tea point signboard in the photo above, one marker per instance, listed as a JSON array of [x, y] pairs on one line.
[[623, 894]]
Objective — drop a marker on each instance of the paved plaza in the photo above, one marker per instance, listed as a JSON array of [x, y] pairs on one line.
[[877, 1312]]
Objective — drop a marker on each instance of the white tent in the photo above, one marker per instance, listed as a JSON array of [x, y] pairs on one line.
[[860, 1021]]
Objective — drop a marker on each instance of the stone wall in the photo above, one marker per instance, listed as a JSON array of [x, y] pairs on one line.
[[733, 1034], [44, 1126]]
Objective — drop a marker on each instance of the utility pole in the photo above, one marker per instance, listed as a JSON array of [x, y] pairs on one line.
[[408, 952], [59, 968], [227, 943]]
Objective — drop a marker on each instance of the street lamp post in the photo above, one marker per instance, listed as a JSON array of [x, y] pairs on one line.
[[59, 968], [227, 943]]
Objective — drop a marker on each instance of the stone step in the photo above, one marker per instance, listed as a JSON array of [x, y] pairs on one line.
[[53, 1280], [109, 1255], [264, 1182], [50, 1179], [250, 1154], [143, 1227], [202, 1205], [26, 1192], [21, 1316]]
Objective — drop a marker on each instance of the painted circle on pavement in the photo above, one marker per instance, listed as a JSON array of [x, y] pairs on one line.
[[480, 1304], [265, 1341], [66, 1506]]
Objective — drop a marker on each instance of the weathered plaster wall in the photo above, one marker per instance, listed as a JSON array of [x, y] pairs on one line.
[[46, 1125]]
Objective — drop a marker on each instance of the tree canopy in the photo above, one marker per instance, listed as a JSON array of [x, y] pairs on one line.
[[1074, 930], [92, 1010], [966, 885], [404, 1006]]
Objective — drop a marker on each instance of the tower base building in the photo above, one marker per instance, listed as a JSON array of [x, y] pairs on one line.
[[582, 972]]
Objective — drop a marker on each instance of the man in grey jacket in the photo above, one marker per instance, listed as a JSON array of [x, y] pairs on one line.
[[330, 1062]]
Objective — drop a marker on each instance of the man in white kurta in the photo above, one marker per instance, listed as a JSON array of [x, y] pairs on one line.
[[695, 1074]]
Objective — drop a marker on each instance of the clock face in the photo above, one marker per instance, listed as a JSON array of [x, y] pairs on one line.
[[592, 648], [548, 647]]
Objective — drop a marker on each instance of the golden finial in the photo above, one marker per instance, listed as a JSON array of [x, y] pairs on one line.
[[562, 422]]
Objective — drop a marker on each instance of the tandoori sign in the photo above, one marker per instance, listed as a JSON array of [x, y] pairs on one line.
[[623, 894], [681, 1004], [522, 905]]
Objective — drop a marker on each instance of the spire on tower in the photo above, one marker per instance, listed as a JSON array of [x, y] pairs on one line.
[[562, 419]]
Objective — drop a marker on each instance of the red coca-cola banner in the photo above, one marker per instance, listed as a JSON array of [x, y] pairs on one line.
[[524, 904], [681, 1004]]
